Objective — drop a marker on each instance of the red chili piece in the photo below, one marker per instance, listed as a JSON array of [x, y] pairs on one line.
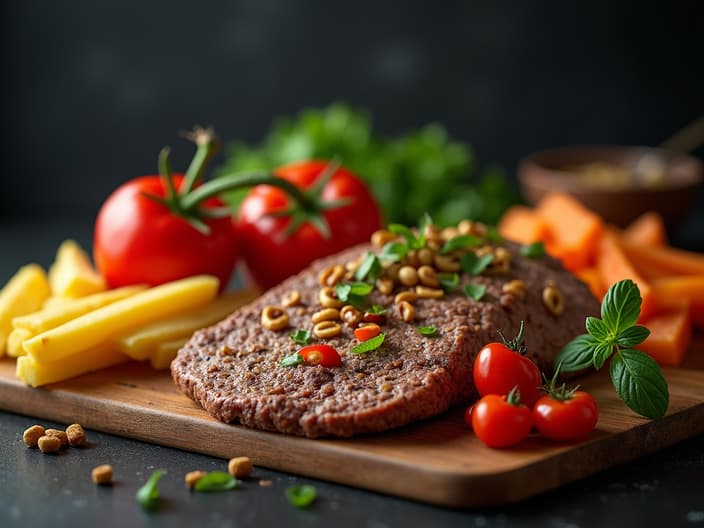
[[323, 355]]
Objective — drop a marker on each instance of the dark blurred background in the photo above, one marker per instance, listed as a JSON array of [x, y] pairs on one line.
[[93, 90]]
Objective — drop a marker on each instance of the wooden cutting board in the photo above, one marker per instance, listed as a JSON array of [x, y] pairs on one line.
[[438, 461]]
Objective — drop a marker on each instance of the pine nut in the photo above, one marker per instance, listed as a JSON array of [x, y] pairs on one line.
[[382, 237], [408, 276], [449, 233], [327, 329], [331, 275], [385, 285], [240, 467], [326, 314], [328, 298], [447, 263], [412, 258], [406, 311], [553, 299], [408, 296], [192, 477], [292, 298], [274, 318], [102, 475], [61, 435], [32, 435], [423, 292], [426, 256], [428, 276], [350, 315], [516, 287], [76, 435], [49, 444]]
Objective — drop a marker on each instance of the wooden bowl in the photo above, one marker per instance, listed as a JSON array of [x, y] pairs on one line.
[[629, 194]]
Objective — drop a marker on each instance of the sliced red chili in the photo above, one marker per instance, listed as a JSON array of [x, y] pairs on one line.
[[323, 355], [377, 318], [367, 331]]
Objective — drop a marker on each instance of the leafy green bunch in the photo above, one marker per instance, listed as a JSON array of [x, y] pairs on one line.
[[637, 378], [421, 171]]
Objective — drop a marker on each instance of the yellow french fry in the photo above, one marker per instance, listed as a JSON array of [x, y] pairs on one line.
[[103, 324], [14, 341], [165, 353], [37, 373], [24, 293], [53, 316], [72, 274], [141, 343]]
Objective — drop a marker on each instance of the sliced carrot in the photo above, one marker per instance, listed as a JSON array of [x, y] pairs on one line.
[[592, 278], [574, 228], [522, 224], [670, 336], [671, 291], [668, 260], [614, 265], [648, 229]]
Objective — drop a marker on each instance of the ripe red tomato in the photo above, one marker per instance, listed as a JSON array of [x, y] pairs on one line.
[[323, 355], [501, 421], [497, 369], [566, 419], [140, 241], [271, 253]]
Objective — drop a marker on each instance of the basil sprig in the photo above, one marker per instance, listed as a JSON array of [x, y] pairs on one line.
[[637, 378], [216, 481], [148, 495], [370, 268], [354, 293]]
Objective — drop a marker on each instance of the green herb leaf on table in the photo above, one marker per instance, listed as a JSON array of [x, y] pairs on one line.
[[301, 496], [475, 291], [292, 360], [639, 382], [534, 250], [449, 281], [473, 265], [460, 242], [369, 269], [216, 481], [636, 377], [427, 331], [368, 345], [301, 337], [148, 494]]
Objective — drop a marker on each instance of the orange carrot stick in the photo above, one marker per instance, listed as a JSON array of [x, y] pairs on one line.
[[648, 229], [670, 336], [522, 224]]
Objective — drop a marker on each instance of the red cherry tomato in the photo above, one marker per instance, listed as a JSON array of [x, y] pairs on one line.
[[323, 355], [367, 331], [497, 369], [271, 253], [566, 419], [140, 241], [501, 421]]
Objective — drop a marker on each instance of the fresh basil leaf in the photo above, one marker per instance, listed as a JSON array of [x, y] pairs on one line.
[[621, 306], [360, 288], [534, 250], [598, 329], [301, 496], [368, 345], [475, 291], [602, 352], [369, 268], [473, 265], [301, 337], [425, 221], [402, 230], [577, 355], [216, 481], [640, 383], [427, 331], [633, 336], [292, 360], [375, 309], [393, 251], [449, 281], [460, 242], [342, 290], [148, 495]]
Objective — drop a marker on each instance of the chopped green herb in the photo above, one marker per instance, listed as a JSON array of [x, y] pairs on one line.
[[369, 268], [148, 495], [353, 293], [636, 377], [393, 251], [449, 281], [301, 496], [534, 250], [292, 360], [402, 230], [368, 345], [493, 235], [473, 265], [475, 291], [427, 331], [376, 310], [216, 481], [460, 242], [301, 337]]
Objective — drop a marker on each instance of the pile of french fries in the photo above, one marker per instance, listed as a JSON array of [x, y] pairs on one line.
[[67, 323]]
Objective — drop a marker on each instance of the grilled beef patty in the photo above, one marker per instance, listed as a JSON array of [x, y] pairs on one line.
[[233, 368]]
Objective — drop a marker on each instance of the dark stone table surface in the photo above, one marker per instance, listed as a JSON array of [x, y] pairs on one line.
[[662, 489]]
